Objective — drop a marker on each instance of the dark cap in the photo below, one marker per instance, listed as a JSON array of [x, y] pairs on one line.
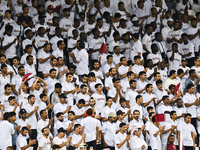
[[62, 95], [23, 112], [62, 130], [119, 112], [41, 16], [183, 59]]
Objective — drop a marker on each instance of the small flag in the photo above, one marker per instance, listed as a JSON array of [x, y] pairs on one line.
[[103, 48], [28, 76], [176, 88], [160, 117]]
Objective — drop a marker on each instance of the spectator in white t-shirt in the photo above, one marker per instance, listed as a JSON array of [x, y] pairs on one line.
[[45, 142], [155, 133], [61, 140], [109, 131], [21, 142], [6, 132], [188, 134], [77, 138], [121, 138]]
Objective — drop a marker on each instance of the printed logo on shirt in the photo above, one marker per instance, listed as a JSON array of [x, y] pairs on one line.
[[185, 49], [101, 99]]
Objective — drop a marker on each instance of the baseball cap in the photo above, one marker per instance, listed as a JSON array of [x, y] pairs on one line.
[[23, 112], [62, 95], [62, 130], [119, 112], [41, 16], [135, 19], [1, 14], [50, 7], [82, 145], [112, 114], [183, 59]]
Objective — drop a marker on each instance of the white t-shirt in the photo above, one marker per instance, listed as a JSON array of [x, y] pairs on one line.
[[21, 141], [109, 130], [11, 51], [3, 82], [76, 139], [155, 141], [187, 48], [59, 141], [90, 124], [196, 40], [174, 65], [42, 54], [45, 143], [188, 99], [32, 118], [155, 58], [100, 100], [146, 40], [186, 130], [96, 44], [82, 67], [137, 48], [130, 96], [66, 24], [6, 132], [68, 87], [119, 138]]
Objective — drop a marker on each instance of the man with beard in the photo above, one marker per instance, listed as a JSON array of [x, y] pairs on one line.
[[108, 80], [65, 23], [21, 142], [174, 36], [193, 33], [45, 142], [97, 72], [180, 110], [62, 106], [83, 95], [62, 69], [60, 124], [32, 115], [49, 66], [43, 123], [17, 80], [4, 78], [109, 130], [4, 97], [51, 80], [23, 121], [174, 57]]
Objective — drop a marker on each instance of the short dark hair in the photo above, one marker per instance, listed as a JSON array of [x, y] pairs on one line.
[[138, 97], [7, 86], [30, 96], [43, 129], [97, 85], [172, 72], [76, 126], [189, 86], [165, 97], [188, 114], [59, 114], [11, 98], [58, 85], [81, 101], [122, 124], [149, 108]]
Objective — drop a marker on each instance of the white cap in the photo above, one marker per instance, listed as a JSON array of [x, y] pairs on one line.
[[135, 19]]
